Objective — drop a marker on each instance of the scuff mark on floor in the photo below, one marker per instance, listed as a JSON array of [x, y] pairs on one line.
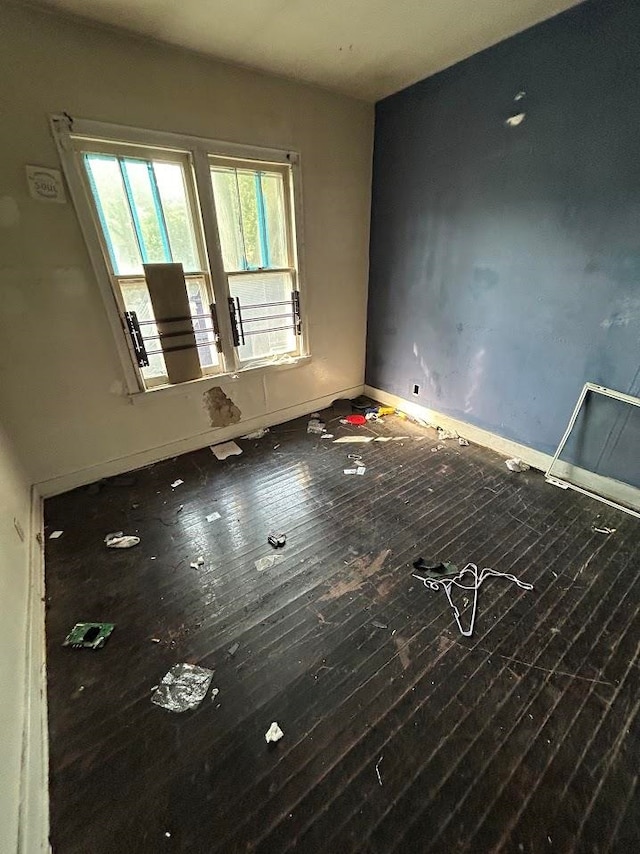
[[221, 410], [445, 643], [360, 569], [402, 645]]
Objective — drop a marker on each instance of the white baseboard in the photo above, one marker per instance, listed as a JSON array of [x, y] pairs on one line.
[[33, 825], [110, 468], [536, 459], [600, 488]]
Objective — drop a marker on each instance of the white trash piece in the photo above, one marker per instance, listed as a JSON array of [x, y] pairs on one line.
[[197, 563], [118, 540], [257, 434], [177, 483], [463, 442], [55, 535], [212, 517], [273, 734], [267, 562], [225, 449], [443, 434], [516, 464], [358, 470]]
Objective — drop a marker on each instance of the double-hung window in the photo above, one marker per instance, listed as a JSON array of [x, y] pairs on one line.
[[219, 217]]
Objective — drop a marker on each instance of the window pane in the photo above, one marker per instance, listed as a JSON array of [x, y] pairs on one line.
[[272, 293], [155, 246], [199, 305], [225, 192], [177, 214], [113, 212], [249, 213], [136, 298], [251, 218], [274, 210]]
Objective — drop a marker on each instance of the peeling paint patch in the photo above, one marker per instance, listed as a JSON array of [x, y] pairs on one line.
[[221, 410]]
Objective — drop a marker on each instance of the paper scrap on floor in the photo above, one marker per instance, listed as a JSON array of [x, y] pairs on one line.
[[267, 562], [344, 440], [225, 449], [55, 535], [273, 734], [213, 516]]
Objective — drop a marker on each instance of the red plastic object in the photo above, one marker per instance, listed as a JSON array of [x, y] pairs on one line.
[[356, 419]]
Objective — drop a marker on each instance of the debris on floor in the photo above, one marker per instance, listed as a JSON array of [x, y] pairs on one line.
[[356, 419], [443, 434], [277, 540], [346, 440], [386, 410], [379, 624], [362, 403], [225, 449], [437, 448], [214, 693], [55, 534], [233, 648], [267, 562], [213, 516], [476, 583], [327, 436], [119, 540], [316, 424], [435, 569], [603, 530], [378, 769], [183, 687], [257, 434], [89, 635], [357, 470], [463, 442], [197, 563], [177, 483], [273, 734], [516, 464]]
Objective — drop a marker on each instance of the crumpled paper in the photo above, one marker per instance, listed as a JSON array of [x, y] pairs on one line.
[[119, 540], [516, 464], [183, 687], [273, 734]]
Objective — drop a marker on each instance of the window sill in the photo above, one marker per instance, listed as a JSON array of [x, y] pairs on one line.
[[220, 379]]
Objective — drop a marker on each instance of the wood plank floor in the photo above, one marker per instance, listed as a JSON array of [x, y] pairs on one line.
[[523, 737]]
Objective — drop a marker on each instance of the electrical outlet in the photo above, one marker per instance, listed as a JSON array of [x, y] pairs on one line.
[[416, 390]]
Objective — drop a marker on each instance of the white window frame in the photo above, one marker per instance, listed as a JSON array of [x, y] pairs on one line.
[[201, 152]]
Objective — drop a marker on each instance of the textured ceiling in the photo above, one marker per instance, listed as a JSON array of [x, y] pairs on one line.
[[365, 48]]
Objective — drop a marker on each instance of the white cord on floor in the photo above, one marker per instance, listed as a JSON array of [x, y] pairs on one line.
[[447, 583]]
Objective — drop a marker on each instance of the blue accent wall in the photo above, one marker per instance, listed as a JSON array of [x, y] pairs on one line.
[[505, 261]]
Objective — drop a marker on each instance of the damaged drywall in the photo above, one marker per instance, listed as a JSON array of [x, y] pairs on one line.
[[221, 410]]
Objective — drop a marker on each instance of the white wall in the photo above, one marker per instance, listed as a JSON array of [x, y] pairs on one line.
[[59, 372], [14, 596]]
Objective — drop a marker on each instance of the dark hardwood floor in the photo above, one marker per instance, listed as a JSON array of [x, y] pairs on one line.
[[523, 737]]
